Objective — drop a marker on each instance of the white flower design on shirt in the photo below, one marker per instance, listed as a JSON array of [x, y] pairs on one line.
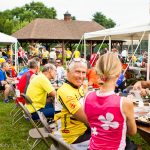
[[94, 131], [108, 121]]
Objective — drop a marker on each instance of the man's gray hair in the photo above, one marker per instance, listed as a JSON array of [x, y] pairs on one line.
[[32, 64], [48, 67], [4, 64], [72, 64]]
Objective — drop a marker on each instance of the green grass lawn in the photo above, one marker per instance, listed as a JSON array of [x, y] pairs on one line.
[[14, 137]]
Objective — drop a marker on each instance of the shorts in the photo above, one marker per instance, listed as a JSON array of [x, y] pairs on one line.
[[68, 59], [130, 145], [20, 60], [85, 137]]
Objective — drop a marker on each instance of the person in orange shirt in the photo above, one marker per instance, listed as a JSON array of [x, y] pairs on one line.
[[11, 72], [93, 78]]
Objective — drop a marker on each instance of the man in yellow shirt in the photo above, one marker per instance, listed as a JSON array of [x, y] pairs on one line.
[[38, 90], [45, 55], [69, 114], [68, 54], [76, 54], [10, 53]]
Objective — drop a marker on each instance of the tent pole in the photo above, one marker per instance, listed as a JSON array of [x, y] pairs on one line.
[[11, 57], [84, 48], [109, 43], [132, 45], [98, 52], [148, 62], [132, 48], [75, 50], [16, 57], [134, 52]]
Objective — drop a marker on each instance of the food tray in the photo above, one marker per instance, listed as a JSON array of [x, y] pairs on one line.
[[143, 123]]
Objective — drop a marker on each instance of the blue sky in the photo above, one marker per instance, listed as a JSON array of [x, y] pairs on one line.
[[121, 11]]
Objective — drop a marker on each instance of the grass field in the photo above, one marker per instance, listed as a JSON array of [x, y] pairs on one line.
[[14, 137]]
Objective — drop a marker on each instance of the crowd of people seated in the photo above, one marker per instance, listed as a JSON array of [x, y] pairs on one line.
[[85, 120]]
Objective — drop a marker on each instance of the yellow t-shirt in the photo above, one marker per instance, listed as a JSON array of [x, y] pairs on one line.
[[35, 52], [76, 54], [134, 58], [70, 100], [2, 60], [45, 54], [10, 52], [68, 54], [37, 90]]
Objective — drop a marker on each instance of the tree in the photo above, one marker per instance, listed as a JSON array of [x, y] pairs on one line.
[[39, 10], [7, 14], [2, 22], [73, 18], [8, 26], [103, 20], [12, 20]]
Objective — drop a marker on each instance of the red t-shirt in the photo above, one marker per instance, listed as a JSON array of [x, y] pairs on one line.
[[93, 60], [22, 85]]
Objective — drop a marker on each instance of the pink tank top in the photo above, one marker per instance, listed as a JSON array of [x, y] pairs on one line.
[[107, 121]]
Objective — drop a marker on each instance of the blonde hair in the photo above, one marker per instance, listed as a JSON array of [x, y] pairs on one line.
[[108, 66]]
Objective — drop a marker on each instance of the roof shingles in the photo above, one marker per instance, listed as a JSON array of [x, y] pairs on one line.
[[56, 29]]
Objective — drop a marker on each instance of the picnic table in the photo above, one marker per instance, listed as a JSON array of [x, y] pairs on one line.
[[144, 132], [136, 68], [142, 128]]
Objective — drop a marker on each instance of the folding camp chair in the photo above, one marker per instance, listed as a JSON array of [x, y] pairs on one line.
[[36, 133], [58, 144], [16, 113], [29, 101], [46, 131]]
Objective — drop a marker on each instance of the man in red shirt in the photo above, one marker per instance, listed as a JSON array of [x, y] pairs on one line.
[[25, 79]]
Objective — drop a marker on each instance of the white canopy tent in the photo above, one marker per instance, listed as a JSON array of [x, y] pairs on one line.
[[121, 33], [6, 39], [133, 32]]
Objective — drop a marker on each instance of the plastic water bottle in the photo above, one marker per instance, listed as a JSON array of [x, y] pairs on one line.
[[85, 85], [17, 91], [120, 79]]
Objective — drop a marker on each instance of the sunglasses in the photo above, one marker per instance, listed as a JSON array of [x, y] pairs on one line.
[[77, 60], [57, 62]]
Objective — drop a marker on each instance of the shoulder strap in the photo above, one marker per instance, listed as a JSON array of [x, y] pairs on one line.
[[27, 81]]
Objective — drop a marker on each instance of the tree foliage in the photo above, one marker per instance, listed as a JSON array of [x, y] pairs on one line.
[[15, 19], [73, 18], [12, 20], [103, 20]]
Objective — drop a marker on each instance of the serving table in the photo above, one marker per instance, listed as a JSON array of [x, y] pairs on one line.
[[144, 132]]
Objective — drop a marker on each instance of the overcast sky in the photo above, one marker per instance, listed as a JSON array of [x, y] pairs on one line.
[[121, 11]]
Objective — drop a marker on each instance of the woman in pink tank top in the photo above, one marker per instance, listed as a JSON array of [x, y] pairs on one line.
[[110, 116]]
